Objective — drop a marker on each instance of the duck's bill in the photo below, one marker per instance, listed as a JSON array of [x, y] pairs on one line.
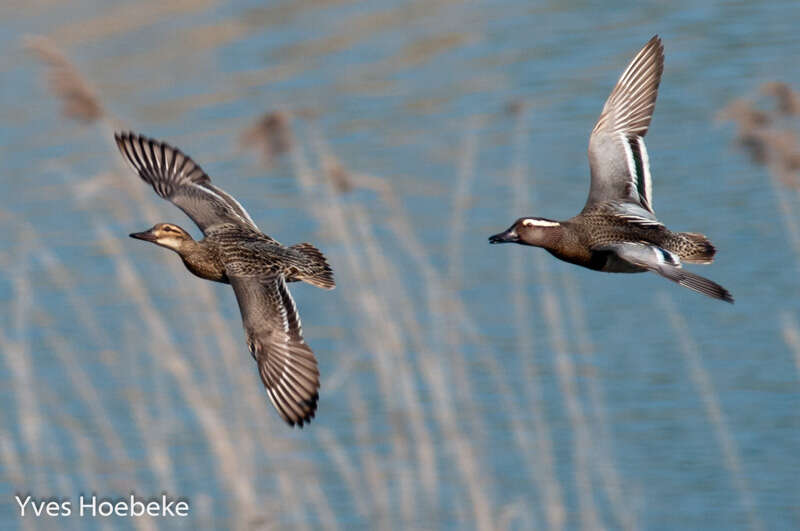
[[146, 236], [509, 236]]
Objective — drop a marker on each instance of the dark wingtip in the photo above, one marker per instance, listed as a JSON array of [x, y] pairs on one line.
[[656, 41], [312, 403], [121, 136], [718, 292], [703, 285], [727, 297]]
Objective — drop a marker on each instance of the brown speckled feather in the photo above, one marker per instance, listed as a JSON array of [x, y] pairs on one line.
[[286, 364], [257, 267]]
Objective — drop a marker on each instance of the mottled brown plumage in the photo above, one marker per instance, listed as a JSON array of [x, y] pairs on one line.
[[617, 230], [235, 252]]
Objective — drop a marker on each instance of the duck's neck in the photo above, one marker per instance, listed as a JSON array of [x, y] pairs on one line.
[[550, 238], [203, 261], [187, 247], [567, 246]]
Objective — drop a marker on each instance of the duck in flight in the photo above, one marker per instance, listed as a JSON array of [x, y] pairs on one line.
[[235, 252], [617, 230]]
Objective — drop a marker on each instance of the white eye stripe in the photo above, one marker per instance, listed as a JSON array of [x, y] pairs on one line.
[[539, 223]]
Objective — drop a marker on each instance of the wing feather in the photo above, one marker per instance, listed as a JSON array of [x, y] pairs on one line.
[[177, 178], [287, 365], [618, 159], [668, 265]]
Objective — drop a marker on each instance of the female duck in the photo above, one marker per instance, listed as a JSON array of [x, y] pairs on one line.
[[235, 252]]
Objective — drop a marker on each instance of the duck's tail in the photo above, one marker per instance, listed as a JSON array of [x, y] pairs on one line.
[[317, 271], [697, 249]]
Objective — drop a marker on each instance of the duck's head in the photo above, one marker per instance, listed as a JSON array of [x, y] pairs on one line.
[[166, 235], [529, 231]]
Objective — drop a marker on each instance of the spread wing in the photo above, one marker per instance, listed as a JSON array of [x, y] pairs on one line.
[[275, 338], [617, 155], [666, 264], [177, 178]]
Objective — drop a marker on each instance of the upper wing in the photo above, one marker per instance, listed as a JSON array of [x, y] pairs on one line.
[[176, 177], [666, 264], [275, 338], [617, 155], [631, 213]]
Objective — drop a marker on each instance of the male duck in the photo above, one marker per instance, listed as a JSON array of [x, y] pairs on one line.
[[617, 230], [235, 252]]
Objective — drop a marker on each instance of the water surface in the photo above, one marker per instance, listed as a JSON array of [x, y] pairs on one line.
[[463, 385]]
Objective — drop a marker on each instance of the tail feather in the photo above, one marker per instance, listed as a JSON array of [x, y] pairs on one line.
[[317, 273], [698, 249]]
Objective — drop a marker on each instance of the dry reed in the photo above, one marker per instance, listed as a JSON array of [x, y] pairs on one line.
[[78, 99], [713, 409], [791, 335], [545, 476], [423, 440]]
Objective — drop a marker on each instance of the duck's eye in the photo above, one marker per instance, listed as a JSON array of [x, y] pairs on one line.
[[169, 229]]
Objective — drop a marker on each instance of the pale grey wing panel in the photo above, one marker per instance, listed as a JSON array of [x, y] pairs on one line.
[[177, 178], [232, 203], [614, 172], [206, 210], [287, 366], [618, 159]]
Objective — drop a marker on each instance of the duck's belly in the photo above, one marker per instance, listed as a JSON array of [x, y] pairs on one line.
[[614, 264], [599, 261]]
